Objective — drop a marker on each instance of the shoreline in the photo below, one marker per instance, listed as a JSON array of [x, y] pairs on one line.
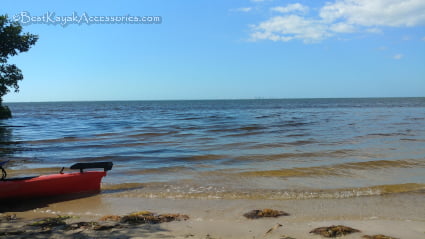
[[397, 215]]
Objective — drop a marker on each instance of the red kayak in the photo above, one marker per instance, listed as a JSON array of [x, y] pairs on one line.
[[55, 184]]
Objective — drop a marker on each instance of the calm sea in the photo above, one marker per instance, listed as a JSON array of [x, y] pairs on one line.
[[263, 149]]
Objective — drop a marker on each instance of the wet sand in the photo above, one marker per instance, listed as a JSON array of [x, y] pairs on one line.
[[396, 215]]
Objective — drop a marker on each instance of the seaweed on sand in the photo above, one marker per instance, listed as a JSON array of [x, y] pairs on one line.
[[140, 218], [255, 214], [334, 231], [110, 218], [380, 236], [81, 225], [146, 217], [12, 233], [50, 222], [173, 217]]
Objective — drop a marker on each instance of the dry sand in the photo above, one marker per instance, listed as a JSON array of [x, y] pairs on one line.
[[399, 216]]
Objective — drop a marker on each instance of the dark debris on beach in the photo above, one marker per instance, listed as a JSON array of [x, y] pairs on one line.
[[50, 222], [255, 214], [145, 217], [334, 231], [50, 225], [380, 236]]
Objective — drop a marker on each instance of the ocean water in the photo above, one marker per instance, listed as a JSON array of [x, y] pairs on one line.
[[250, 149]]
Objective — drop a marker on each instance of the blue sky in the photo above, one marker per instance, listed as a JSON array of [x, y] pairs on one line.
[[224, 50]]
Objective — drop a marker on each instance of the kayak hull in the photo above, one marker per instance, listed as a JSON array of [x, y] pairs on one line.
[[51, 185]]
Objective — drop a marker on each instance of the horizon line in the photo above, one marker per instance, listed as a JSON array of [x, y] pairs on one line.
[[218, 99]]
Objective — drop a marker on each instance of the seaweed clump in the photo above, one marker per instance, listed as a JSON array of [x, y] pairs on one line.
[[334, 231], [82, 225], [12, 233], [110, 218], [51, 222], [146, 217], [255, 214], [380, 236]]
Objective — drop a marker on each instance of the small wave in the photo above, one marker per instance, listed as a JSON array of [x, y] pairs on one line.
[[301, 142], [237, 129], [107, 134], [151, 134], [335, 170], [320, 154], [112, 145], [297, 135], [414, 140], [295, 172], [215, 192], [114, 188], [382, 135], [267, 116], [202, 157], [292, 124], [113, 158], [61, 140], [231, 146], [386, 134], [242, 134], [408, 163], [252, 127], [161, 170], [219, 117], [191, 118]]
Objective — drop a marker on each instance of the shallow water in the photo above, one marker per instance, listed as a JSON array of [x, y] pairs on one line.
[[256, 149]]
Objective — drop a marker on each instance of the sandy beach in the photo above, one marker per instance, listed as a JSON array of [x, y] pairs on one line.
[[397, 216]]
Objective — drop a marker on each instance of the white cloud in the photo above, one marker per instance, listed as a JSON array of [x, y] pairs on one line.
[[296, 7], [339, 17], [242, 9], [342, 27], [393, 13], [373, 30], [285, 28], [398, 56]]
